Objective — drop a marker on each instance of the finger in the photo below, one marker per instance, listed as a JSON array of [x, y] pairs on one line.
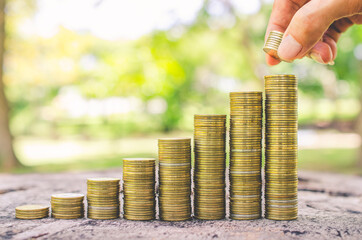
[[338, 27], [322, 53], [356, 19], [308, 26], [282, 13], [332, 45], [271, 61]]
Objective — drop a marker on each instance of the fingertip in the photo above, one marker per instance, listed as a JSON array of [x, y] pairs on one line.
[[322, 53], [289, 48], [271, 61], [332, 44]]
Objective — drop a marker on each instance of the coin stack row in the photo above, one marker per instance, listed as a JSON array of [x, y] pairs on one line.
[[174, 168]]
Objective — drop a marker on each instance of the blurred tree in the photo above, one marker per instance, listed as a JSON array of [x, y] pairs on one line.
[[7, 156], [187, 69], [349, 69]]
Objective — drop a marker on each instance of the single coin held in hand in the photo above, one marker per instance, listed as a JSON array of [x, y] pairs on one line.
[[272, 44]]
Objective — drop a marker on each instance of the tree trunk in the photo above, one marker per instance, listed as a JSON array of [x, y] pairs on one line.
[[8, 159], [359, 121]]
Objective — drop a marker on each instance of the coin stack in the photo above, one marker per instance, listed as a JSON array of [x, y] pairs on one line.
[[209, 172], [103, 198], [139, 188], [272, 43], [281, 200], [67, 205], [246, 114], [31, 212], [174, 179]]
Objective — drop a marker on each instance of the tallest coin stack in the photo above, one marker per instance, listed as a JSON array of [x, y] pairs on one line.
[[281, 200]]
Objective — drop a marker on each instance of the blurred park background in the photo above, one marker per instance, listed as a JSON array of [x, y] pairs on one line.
[[87, 82]]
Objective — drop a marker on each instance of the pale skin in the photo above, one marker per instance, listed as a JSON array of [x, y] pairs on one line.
[[312, 27]]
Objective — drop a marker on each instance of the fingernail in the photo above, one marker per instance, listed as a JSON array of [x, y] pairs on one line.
[[289, 48], [317, 57]]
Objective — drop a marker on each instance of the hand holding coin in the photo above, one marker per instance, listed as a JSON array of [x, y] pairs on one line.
[[311, 28]]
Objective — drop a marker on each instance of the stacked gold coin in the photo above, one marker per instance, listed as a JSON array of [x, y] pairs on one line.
[[103, 198], [31, 211], [272, 43], [209, 172], [67, 205], [174, 179], [281, 200], [139, 188], [246, 115]]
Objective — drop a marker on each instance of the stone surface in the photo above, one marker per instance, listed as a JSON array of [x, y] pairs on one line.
[[330, 207]]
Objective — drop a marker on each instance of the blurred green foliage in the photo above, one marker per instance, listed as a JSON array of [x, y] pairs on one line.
[[161, 79], [75, 85]]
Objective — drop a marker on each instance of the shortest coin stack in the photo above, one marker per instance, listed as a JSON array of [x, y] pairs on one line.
[[272, 43], [67, 205], [103, 198], [31, 211]]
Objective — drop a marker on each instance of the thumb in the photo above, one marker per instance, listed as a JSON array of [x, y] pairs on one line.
[[310, 23]]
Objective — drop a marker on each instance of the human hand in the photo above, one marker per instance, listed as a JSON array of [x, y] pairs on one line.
[[312, 27]]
